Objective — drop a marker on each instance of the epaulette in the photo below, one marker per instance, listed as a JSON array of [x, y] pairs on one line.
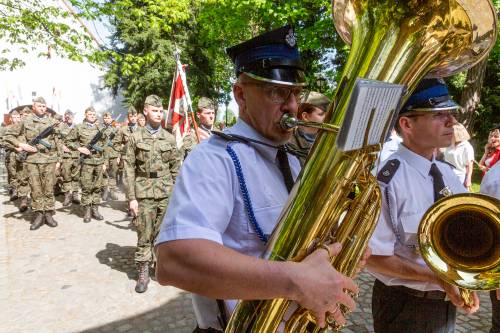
[[388, 171]]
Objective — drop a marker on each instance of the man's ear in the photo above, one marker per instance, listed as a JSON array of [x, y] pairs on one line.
[[239, 95]]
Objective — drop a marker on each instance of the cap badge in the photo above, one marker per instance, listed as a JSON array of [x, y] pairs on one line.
[[290, 38]]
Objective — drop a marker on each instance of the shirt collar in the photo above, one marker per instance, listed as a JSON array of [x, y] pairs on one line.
[[152, 130], [244, 129], [89, 125], [420, 163]]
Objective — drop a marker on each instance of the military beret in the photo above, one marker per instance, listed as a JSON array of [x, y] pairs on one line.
[[39, 100], [430, 95], [153, 100], [90, 109], [131, 110], [69, 113], [271, 57], [317, 99], [205, 103]]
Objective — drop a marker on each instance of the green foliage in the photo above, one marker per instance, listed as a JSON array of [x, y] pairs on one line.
[[30, 24]]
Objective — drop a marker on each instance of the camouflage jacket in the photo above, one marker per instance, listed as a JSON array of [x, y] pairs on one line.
[[300, 145], [81, 135], [151, 164], [64, 130], [49, 149], [122, 136], [110, 150]]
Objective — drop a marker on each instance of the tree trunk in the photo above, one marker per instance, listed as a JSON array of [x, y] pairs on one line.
[[471, 94]]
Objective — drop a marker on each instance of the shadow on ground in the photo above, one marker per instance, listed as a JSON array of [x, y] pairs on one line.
[[120, 258], [171, 317]]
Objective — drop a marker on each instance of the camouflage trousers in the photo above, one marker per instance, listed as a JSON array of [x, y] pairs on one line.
[[10, 165], [70, 173], [91, 183], [42, 178], [22, 179], [111, 173], [148, 224]]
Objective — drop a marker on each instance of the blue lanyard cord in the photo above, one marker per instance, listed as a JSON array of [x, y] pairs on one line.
[[246, 196]]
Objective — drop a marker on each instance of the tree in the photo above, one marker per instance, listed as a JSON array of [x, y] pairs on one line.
[[32, 24]]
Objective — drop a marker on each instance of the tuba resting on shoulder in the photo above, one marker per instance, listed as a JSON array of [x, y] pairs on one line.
[[394, 41]]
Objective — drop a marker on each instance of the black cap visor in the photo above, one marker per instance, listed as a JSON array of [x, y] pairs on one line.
[[283, 76]]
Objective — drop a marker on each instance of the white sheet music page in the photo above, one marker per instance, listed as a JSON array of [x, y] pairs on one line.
[[370, 114]]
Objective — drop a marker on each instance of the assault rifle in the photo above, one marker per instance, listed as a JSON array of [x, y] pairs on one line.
[[39, 139], [91, 146]]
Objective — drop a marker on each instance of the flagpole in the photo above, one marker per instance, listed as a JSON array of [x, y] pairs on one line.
[[171, 95], [186, 91]]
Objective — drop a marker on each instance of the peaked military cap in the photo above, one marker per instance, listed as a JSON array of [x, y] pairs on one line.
[[153, 100], [205, 103], [131, 110], [430, 95], [317, 99], [90, 109], [271, 57], [39, 100]]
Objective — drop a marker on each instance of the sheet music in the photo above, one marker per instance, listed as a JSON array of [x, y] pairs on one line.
[[370, 114]]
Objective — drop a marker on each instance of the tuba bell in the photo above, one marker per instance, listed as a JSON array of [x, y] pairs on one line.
[[459, 238], [393, 41]]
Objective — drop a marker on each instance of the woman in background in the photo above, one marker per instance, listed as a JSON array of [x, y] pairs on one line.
[[461, 155], [491, 151]]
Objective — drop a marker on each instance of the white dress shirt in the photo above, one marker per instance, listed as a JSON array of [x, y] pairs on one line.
[[405, 199], [490, 185], [460, 156], [207, 202]]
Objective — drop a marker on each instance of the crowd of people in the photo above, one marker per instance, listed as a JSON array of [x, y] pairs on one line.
[[207, 234]]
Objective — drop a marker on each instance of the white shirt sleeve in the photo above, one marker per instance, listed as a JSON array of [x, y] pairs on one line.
[[469, 152], [202, 201]]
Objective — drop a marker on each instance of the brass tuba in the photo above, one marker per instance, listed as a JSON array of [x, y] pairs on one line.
[[459, 238], [397, 41]]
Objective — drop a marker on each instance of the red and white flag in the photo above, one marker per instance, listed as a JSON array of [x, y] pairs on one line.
[[179, 105]]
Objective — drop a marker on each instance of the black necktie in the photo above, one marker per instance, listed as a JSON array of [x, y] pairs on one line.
[[284, 166], [437, 178]]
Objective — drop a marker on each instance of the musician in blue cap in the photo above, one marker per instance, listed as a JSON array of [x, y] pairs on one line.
[[209, 243], [407, 295]]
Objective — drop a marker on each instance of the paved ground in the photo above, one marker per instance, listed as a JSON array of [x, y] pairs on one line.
[[80, 278]]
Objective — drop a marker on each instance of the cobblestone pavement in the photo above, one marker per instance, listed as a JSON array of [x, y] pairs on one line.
[[80, 278]]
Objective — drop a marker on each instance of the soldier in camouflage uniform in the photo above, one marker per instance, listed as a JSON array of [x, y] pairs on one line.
[[92, 162], [41, 163], [22, 178], [111, 154], [313, 108], [10, 158], [121, 139], [151, 165], [70, 168]]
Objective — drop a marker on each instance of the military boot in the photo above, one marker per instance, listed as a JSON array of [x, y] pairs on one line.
[[87, 215], [23, 206], [76, 198], [38, 220], [67, 199], [143, 279], [95, 213], [13, 194], [105, 194], [49, 220], [113, 195]]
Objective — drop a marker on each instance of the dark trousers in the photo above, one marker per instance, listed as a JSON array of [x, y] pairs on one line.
[[396, 311], [495, 312]]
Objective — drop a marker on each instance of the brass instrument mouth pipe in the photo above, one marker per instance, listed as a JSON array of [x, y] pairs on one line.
[[288, 122]]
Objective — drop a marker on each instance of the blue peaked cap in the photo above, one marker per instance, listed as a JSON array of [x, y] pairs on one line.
[[430, 95], [272, 57]]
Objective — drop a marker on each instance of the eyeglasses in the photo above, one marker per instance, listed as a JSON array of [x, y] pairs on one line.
[[278, 94], [439, 115]]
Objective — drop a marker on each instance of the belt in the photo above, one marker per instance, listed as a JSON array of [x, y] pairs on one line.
[[431, 294], [156, 174]]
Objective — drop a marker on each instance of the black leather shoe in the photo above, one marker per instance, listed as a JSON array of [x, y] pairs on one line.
[[143, 279], [87, 215], [76, 198], [13, 194], [49, 220], [95, 213], [38, 220]]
